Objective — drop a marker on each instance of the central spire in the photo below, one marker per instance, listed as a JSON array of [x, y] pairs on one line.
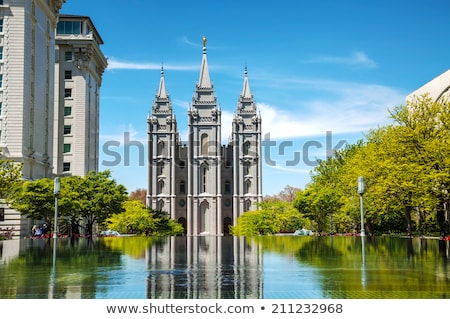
[[204, 80]]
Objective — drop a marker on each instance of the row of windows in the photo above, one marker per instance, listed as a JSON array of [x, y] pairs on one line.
[[227, 190], [68, 27], [161, 147]]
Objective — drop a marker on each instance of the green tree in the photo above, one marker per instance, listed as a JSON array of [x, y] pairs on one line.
[[10, 176], [100, 197], [273, 216], [142, 221], [34, 199]]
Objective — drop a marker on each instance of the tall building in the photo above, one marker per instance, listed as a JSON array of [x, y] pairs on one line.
[[27, 44], [204, 185], [27, 55], [79, 67], [50, 74]]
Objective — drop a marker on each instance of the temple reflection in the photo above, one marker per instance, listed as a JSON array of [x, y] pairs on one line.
[[194, 267]]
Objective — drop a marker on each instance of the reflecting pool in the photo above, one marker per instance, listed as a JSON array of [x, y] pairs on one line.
[[275, 267]]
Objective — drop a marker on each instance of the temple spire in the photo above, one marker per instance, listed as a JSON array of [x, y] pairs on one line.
[[204, 80], [246, 93], [162, 93]]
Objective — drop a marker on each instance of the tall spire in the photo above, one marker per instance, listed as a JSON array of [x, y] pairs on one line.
[[162, 93], [204, 80], [246, 93]]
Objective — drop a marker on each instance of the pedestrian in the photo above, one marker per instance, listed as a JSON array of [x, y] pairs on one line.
[[33, 231]]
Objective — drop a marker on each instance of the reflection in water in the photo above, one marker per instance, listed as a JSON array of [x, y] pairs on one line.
[[204, 267], [287, 267], [363, 264]]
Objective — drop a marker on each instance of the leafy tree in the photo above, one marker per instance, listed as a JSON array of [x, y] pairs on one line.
[[273, 216], [142, 221], [34, 199], [100, 197], [92, 198], [10, 176]]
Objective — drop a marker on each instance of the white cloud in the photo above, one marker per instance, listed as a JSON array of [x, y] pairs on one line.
[[116, 64], [340, 107], [355, 59]]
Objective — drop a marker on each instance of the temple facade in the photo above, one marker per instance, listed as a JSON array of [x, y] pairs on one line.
[[203, 184]]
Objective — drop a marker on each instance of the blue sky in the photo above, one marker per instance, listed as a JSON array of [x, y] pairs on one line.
[[314, 67]]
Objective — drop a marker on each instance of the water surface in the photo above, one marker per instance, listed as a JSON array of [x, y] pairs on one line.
[[285, 267]]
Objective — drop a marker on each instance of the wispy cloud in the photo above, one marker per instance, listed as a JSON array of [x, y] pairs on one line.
[[340, 107], [185, 40], [355, 59], [116, 64]]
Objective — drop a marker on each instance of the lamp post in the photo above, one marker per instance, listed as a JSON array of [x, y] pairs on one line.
[[56, 188], [361, 193]]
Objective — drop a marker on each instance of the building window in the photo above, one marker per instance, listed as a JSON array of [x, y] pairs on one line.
[[68, 56], [67, 93], [69, 27], [160, 205], [182, 202], [1, 25], [248, 205], [160, 167], [246, 148], [67, 74], [182, 187], [204, 141], [67, 110], [2, 214], [182, 164], [1, 80], [161, 187], [67, 129], [248, 186], [1, 104], [227, 187], [246, 169], [66, 167], [204, 173], [67, 148], [160, 150], [1, 53]]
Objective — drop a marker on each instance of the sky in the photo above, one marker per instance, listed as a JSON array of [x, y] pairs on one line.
[[323, 73]]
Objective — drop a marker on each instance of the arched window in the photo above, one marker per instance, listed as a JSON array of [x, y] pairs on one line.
[[204, 141], [246, 169], [204, 174], [161, 187], [160, 150], [246, 148], [160, 166], [160, 205], [248, 205], [248, 186]]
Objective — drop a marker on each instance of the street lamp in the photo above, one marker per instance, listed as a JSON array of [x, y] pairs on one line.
[[361, 193], [56, 188]]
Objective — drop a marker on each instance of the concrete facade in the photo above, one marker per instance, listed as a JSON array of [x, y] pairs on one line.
[[437, 88], [34, 79], [79, 66], [201, 183]]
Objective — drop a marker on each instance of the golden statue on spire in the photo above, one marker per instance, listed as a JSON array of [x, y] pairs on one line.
[[204, 41]]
